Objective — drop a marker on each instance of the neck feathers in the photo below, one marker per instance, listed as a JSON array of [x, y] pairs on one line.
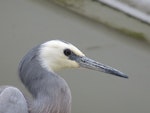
[[50, 92]]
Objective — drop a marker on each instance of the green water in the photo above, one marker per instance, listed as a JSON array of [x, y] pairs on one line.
[[25, 23]]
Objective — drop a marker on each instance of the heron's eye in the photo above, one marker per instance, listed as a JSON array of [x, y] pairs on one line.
[[67, 52]]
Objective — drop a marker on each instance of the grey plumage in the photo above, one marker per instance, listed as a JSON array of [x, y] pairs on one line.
[[50, 92], [12, 100]]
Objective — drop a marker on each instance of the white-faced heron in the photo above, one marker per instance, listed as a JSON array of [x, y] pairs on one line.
[[50, 92]]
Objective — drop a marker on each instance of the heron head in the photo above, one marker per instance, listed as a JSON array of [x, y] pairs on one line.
[[56, 55]]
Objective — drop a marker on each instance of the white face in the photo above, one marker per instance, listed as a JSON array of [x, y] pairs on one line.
[[53, 58], [55, 55]]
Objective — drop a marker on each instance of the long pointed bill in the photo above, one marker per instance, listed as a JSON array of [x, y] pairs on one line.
[[91, 64]]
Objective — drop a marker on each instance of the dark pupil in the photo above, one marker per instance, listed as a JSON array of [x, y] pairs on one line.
[[67, 52]]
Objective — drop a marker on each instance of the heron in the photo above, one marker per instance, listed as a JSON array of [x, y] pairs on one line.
[[37, 71]]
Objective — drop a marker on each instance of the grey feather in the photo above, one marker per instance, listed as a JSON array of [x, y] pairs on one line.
[[50, 92], [12, 100]]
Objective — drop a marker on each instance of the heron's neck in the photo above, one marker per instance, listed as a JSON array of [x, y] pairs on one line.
[[50, 92], [53, 95]]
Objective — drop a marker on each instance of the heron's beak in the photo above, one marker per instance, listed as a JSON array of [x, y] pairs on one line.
[[91, 64]]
